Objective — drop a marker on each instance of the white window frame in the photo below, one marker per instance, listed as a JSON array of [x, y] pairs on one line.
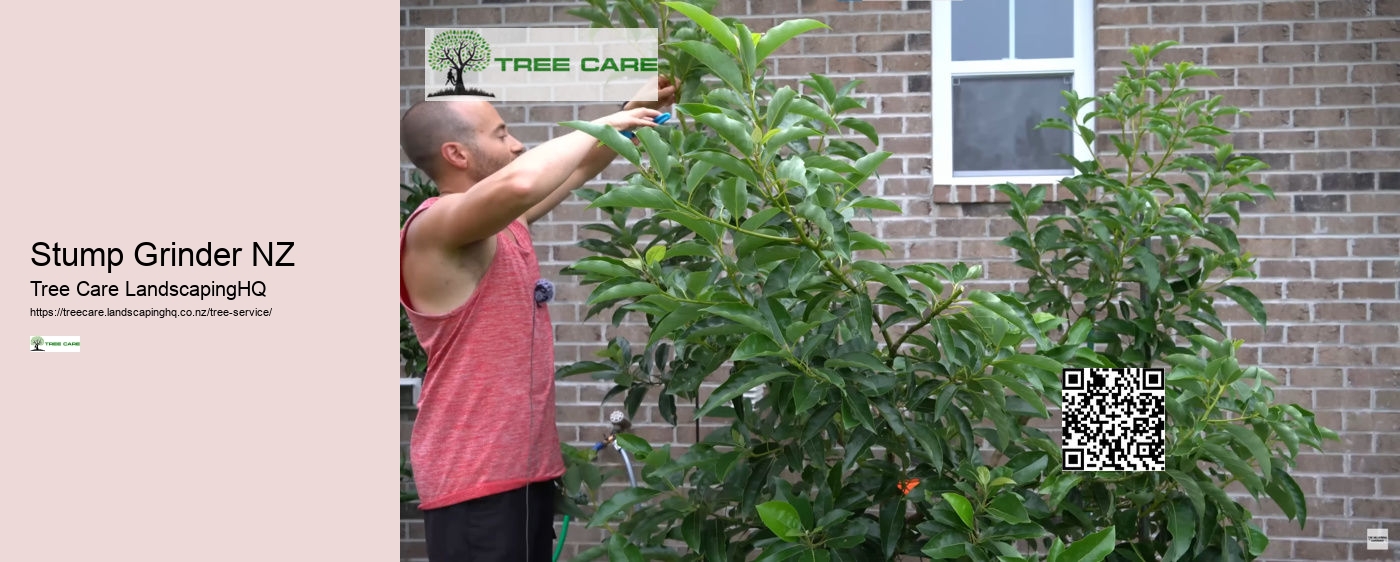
[[945, 68]]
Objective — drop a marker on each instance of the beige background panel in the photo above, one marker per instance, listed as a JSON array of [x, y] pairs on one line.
[[207, 439]]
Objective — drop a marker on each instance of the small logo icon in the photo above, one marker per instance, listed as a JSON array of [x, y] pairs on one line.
[[1377, 539], [458, 51], [67, 344]]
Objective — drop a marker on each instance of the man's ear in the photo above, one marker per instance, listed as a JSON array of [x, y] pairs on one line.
[[456, 155]]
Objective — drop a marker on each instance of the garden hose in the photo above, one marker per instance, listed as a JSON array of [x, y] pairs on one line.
[[563, 534]]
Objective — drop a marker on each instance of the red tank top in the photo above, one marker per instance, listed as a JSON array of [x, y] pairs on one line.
[[485, 421]]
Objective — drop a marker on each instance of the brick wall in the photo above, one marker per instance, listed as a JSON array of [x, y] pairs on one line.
[[1321, 82]]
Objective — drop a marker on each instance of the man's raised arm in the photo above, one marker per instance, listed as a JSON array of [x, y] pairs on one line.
[[489, 206]]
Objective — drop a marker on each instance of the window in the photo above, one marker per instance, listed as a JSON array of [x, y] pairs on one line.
[[998, 69]]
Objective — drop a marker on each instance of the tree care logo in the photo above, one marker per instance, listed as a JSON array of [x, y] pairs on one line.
[[546, 64], [65, 344], [456, 52]]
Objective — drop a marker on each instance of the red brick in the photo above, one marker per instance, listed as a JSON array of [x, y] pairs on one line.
[[1313, 334], [853, 64], [906, 21], [1385, 269], [1345, 225], [1320, 160], [1284, 268], [437, 17], [1266, 33], [1153, 35], [1290, 53], [1375, 29], [1333, 74], [1311, 290], [1369, 290], [1198, 35], [1375, 74], [1289, 10], [1341, 269], [1280, 97], [1176, 14], [1388, 7], [1327, 117], [1316, 377], [1344, 52], [1372, 334], [828, 44], [1289, 139], [1114, 15], [1320, 31], [1321, 247], [1353, 95], [1230, 55], [1345, 138], [1388, 95], [1335, 312], [1230, 13], [1343, 399], [1376, 464], [1376, 202], [905, 63]]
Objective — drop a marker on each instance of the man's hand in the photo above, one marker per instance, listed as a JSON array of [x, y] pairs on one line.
[[630, 119], [665, 95]]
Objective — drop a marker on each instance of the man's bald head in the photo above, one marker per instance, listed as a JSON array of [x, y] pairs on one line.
[[428, 125]]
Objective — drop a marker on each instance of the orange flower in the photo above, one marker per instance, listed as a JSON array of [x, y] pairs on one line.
[[907, 486]]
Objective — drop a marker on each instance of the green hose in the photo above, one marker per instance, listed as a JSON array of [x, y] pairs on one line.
[[562, 535]]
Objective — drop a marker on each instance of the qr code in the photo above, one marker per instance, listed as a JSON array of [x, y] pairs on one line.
[[1114, 420]]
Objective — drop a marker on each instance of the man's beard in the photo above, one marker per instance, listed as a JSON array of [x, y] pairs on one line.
[[492, 165]]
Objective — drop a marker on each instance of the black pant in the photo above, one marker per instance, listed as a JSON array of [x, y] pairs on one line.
[[514, 526]]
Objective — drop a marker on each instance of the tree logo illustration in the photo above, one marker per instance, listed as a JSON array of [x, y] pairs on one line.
[[458, 51], [36, 341]]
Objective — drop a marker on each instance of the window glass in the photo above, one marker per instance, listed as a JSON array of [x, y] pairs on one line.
[[994, 119], [981, 29], [1044, 29]]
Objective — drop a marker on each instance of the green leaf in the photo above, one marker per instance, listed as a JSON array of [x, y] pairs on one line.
[[784, 136], [655, 254], [1010, 508], [1248, 301], [1253, 443], [733, 131], [620, 501], [724, 67], [702, 228], [716, 28], [659, 152], [1093, 548], [736, 386], [610, 137], [777, 106], [779, 34], [961, 506], [806, 108], [1191, 488], [740, 313], [1289, 497], [1181, 522], [633, 444], [863, 128], [871, 202], [781, 518], [634, 196], [728, 163], [1017, 318], [734, 193], [1151, 270], [625, 290]]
